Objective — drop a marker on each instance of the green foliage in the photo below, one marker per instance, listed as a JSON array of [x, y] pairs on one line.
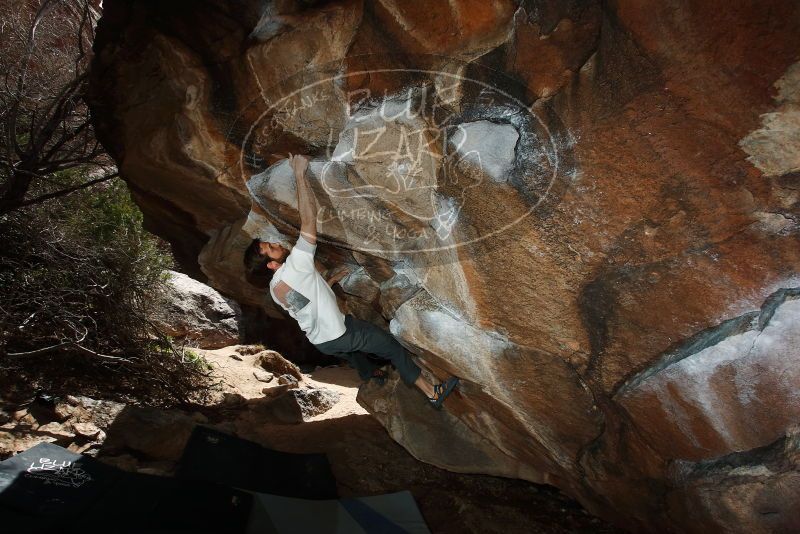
[[197, 360], [78, 274], [86, 253]]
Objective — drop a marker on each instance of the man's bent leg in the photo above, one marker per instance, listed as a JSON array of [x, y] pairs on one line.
[[360, 362], [374, 340], [344, 347], [362, 337]]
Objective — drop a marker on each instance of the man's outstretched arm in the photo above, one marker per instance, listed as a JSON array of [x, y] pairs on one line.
[[305, 199]]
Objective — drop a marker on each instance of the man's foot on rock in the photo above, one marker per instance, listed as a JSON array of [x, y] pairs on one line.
[[380, 376], [441, 391]]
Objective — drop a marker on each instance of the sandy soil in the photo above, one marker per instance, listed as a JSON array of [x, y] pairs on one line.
[[366, 461], [363, 457], [236, 371]]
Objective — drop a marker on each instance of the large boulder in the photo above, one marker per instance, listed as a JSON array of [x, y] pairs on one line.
[[587, 210], [197, 314]]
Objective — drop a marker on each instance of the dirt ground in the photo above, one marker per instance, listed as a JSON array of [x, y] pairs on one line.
[[364, 459]]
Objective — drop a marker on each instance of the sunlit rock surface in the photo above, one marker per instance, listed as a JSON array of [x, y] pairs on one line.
[[196, 314], [588, 211], [729, 389]]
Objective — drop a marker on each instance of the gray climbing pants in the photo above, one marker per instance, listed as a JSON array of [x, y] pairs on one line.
[[362, 342]]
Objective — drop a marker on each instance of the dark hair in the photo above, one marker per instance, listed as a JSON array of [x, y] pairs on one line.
[[252, 254], [255, 266]]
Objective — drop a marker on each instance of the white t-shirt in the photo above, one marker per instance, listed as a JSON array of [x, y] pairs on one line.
[[310, 301]]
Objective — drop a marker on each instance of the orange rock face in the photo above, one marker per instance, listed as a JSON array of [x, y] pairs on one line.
[[588, 211]]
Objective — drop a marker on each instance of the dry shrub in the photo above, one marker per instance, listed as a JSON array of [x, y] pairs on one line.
[[80, 280]]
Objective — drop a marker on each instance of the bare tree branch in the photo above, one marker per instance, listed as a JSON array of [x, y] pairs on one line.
[[64, 192], [46, 125], [61, 346], [43, 9]]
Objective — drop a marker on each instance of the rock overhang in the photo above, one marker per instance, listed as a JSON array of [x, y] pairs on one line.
[[648, 227]]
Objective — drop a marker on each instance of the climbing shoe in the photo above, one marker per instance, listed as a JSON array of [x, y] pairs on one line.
[[441, 391]]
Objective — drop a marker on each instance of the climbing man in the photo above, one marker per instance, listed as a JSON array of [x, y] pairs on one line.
[[300, 289]]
